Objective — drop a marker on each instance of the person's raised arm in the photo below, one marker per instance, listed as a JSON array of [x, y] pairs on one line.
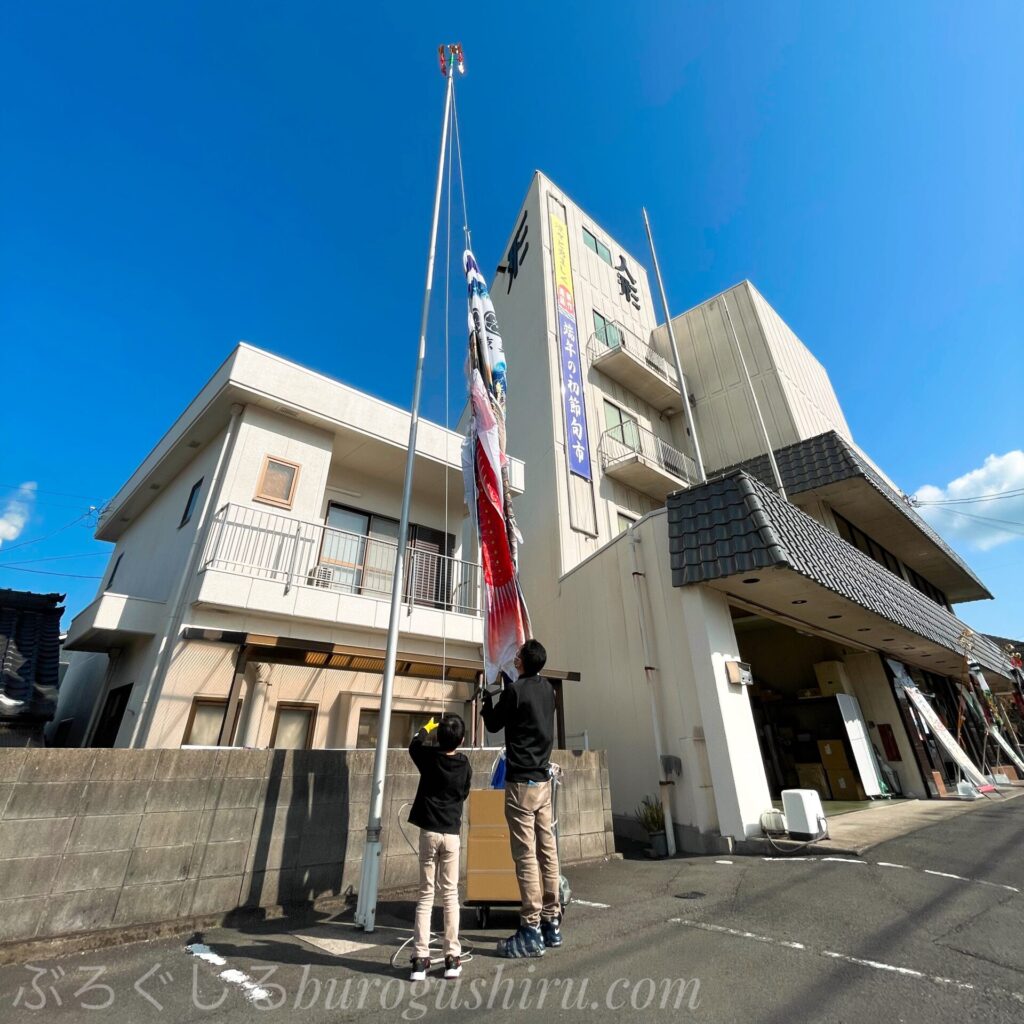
[[416, 747], [496, 716]]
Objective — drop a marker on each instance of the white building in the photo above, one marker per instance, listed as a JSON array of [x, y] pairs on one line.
[[255, 545], [652, 616]]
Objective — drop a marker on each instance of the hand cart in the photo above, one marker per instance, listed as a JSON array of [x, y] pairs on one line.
[[490, 870]]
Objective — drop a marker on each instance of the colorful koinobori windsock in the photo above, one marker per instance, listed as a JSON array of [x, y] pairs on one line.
[[485, 468]]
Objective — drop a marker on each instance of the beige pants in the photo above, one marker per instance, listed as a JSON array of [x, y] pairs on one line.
[[438, 850], [528, 812]]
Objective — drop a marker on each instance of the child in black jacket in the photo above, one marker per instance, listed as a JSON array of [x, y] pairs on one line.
[[445, 778]]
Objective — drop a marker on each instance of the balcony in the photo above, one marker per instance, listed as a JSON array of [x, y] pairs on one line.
[[622, 356], [641, 460], [273, 565]]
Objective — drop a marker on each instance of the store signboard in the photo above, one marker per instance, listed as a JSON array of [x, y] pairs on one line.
[[938, 730], [577, 442], [1010, 752]]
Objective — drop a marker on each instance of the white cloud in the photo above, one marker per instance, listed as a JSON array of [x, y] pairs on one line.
[[973, 521], [17, 511]]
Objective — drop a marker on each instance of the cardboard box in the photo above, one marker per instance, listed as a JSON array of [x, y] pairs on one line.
[[490, 870], [845, 785], [812, 776], [832, 677], [833, 755]]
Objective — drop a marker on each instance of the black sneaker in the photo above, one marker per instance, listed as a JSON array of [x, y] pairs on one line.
[[551, 932], [526, 941], [452, 966], [420, 966]]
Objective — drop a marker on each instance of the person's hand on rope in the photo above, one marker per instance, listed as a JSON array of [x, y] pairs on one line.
[[430, 726]]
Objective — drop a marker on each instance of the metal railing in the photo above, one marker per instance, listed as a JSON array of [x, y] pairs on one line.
[[615, 336], [263, 545], [625, 442]]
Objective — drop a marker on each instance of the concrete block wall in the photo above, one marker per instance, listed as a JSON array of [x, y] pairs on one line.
[[95, 840]]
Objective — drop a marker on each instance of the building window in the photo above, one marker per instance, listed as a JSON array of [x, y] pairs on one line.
[[190, 505], [870, 547], [621, 426], [113, 572], [205, 720], [404, 725], [293, 726], [359, 552], [623, 522], [607, 331], [277, 482], [594, 244]]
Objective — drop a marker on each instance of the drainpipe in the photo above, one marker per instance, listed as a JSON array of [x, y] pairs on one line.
[[177, 605], [651, 675]]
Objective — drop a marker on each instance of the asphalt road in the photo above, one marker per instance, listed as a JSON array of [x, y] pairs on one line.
[[887, 938]]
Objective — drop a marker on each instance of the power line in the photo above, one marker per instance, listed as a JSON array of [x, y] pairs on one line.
[[1007, 525], [54, 558], [46, 490], [994, 496], [45, 572], [47, 536]]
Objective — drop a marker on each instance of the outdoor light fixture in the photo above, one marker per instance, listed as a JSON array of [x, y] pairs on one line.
[[801, 601], [753, 579], [835, 616]]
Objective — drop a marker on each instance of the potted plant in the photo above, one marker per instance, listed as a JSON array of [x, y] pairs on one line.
[[651, 816]]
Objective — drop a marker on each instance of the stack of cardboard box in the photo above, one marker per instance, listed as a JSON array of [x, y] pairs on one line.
[[842, 779]]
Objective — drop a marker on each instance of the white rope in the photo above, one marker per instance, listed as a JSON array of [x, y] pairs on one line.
[[447, 418], [462, 179]]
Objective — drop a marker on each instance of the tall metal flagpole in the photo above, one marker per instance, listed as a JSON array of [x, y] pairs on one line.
[[366, 908], [675, 355], [753, 397]]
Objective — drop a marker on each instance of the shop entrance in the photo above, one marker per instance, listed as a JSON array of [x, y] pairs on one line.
[[811, 727]]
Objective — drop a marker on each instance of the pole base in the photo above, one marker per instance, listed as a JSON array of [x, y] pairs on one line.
[[366, 905]]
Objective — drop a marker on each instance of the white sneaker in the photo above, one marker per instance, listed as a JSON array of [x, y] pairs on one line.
[[420, 966], [452, 967]]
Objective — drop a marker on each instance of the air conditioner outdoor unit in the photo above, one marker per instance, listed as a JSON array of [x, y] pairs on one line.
[[805, 817], [322, 576]]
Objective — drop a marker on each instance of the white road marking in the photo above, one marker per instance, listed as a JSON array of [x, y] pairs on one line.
[[877, 965], [587, 903], [248, 986], [205, 953], [890, 864], [336, 947], [790, 860], [252, 991], [723, 861]]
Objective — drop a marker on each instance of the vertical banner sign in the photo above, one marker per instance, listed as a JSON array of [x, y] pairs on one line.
[[577, 442]]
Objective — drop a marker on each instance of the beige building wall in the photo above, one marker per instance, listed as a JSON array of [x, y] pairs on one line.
[[154, 546], [703, 721], [201, 669], [564, 520]]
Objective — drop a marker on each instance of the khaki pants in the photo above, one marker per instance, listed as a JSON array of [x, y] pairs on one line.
[[528, 812], [438, 850]]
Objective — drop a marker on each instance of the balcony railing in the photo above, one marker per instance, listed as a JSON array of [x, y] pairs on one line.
[[630, 441], [614, 336], [262, 545]]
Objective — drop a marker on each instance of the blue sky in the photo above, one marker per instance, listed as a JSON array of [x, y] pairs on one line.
[[177, 177]]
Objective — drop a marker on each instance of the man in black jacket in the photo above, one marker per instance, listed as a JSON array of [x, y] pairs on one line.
[[526, 711]]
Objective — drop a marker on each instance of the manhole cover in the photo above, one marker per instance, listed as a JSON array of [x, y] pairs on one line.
[[690, 895]]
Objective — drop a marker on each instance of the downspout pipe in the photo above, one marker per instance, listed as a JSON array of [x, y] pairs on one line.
[[178, 603], [651, 675]]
